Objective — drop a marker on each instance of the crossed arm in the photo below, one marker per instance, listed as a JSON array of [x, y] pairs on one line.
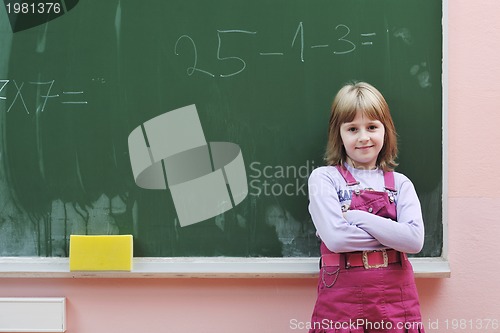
[[359, 230]]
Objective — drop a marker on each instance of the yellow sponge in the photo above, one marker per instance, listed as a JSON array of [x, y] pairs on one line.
[[100, 253]]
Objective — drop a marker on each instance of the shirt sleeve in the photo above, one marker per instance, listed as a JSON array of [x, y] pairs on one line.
[[405, 235], [325, 209]]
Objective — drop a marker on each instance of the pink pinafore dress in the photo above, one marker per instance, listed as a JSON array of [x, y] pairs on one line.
[[367, 291]]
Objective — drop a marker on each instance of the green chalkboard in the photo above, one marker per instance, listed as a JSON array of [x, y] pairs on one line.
[[262, 75]]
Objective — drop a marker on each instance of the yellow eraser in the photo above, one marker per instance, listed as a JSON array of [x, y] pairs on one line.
[[100, 253]]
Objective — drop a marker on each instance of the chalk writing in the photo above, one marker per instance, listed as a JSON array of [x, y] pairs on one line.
[[271, 53], [73, 93], [46, 96], [371, 34], [243, 63], [3, 86], [344, 43], [18, 94], [301, 30], [42, 95], [343, 39], [190, 70]]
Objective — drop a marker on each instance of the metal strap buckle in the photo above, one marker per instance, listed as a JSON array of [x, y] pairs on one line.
[[367, 265]]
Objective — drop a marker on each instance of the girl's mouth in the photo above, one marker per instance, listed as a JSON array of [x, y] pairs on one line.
[[364, 147]]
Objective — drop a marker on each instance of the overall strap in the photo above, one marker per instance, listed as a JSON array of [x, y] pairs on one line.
[[389, 181], [350, 180]]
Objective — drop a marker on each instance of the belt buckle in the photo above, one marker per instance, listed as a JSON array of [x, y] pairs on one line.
[[367, 265]]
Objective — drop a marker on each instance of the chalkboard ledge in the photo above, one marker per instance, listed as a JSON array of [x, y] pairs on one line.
[[197, 267]]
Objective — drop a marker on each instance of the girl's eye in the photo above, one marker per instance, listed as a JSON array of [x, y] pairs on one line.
[[372, 127]]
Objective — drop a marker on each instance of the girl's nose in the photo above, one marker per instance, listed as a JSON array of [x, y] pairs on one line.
[[363, 136]]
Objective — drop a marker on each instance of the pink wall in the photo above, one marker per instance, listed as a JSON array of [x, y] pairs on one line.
[[268, 305]]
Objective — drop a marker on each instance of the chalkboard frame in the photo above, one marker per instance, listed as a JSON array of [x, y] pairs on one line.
[[238, 267]]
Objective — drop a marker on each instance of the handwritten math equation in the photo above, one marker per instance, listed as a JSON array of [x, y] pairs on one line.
[[43, 93], [343, 43]]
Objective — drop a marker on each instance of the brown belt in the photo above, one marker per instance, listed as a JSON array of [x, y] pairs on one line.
[[366, 259]]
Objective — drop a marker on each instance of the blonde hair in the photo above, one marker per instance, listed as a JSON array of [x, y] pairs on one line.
[[360, 97]]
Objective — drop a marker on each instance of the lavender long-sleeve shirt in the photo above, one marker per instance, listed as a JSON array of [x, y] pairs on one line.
[[358, 230]]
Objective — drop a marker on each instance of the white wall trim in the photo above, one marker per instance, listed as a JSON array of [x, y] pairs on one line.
[[32, 314]]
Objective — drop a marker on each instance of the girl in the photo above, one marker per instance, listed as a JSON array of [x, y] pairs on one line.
[[368, 217]]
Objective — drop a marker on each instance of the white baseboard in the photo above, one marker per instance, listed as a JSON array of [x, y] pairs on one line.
[[32, 314]]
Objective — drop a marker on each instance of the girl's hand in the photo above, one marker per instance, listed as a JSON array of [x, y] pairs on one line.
[[346, 215]]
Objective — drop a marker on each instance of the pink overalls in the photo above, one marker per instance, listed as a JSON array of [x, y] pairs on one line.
[[367, 291]]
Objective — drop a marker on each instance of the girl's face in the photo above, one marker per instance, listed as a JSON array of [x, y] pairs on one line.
[[363, 139]]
